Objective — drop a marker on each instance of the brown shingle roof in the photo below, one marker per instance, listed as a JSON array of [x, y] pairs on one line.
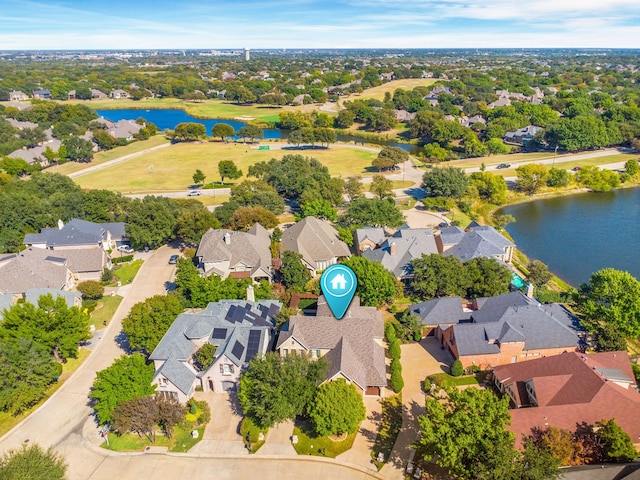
[[316, 240]]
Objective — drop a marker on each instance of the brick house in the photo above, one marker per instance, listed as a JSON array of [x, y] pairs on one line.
[[569, 389]]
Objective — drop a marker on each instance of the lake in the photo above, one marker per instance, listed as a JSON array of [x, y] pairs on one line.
[[168, 119], [579, 234]]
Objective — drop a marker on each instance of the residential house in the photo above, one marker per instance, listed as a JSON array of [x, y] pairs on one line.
[[95, 93], [441, 313], [78, 234], [318, 243], [239, 254], [20, 125], [72, 299], [523, 135], [18, 96], [403, 116], [352, 346], [71, 95], [395, 253], [368, 238], [239, 329], [36, 154], [117, 93], [569, 390], [475, 241], [501, 102], [126, 129], [42, 94], [34, 268], [510, 328]]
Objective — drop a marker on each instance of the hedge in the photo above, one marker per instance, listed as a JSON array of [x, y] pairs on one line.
[[126, 258]]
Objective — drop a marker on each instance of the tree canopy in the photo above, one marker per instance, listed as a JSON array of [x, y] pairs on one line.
[[294, 274], [336, 408], [222, 130], [148, 321], [438, 276], [372, 212], [32, 462], [228, 169], [447, 182], [189, 132], [376, 285]]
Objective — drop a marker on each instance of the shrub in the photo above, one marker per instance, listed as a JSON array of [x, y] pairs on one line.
[[396, 366], [107, 275], [91, 290], [473, 369], [456, 368], [397, 383], [205, 412], [417, 335], [426, 385], [124, 259], [394, 349], [390, 333], [393, 308]]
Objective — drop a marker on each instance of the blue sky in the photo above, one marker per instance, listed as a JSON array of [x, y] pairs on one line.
[[119, 24]]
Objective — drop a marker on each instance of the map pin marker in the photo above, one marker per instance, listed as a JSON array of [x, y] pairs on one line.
[[338, 283]]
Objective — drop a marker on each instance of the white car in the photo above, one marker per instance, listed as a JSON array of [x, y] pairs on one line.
[[194, 193], [125, 249]]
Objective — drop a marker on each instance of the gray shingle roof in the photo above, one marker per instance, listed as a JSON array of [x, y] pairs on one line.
[[439, 311], [178, 373], [492, 308], [376, 235], [31, 268], [451, 235], [316, 240], [477, 241], [34, 294], [75, 232]]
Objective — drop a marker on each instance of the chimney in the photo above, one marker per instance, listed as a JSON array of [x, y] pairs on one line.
[[530, 290], [392, 249], [227, 238], [60, 224], [251, 297]]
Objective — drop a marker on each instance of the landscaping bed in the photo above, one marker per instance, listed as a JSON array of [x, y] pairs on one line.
[[309, 443]]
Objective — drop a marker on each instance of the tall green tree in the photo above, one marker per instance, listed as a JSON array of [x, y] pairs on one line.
[[376, 285], [486, 277], [490, 187], [467, 435], [51, 323], [198, 177], [610, 297], [151, 221], [78, 149], [618, 446], [148, 321], [539, 273], [252, 132], [127, 378], [228, 169], [274, 389], [189, 132], [257, 193], [448, 182], [372, 212], [336, 408], [222, 130], [32, 462], [293, 272], [531, 177], [245, 217], [192, 224], [381, 187], [438, 276]]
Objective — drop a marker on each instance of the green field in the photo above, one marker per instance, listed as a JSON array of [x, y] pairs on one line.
[[101, 157], [204, 109], [171, 169], [379, 91]]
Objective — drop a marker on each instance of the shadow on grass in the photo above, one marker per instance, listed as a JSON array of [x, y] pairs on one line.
[[390, 421]]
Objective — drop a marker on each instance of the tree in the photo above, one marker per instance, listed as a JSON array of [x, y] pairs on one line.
[[376, 285], [578, 133], [138, 415], [252, 132], [382, 187], [240, 94], [539, 273], [32, 462], [456, 368], [438, 276], [608, 338], [390, 157], [52, 323], [90, 290], [490, 187], [104, 139], [193, 223], [372, 212], [448, 182], [151, 221], [304, 135], [205, 356], [353, 187], [26, 371], [222, 130], [228, 169], [189, 132], [337, 408], [435, 153], [148, 321], [486, 277], [320, 209], [631, 167], [466, 434], [257, 193], [245, 217], [198, 177], [617, 444], [497, 147], [127, 378], [611, 297], [171, 413], [274, 388], [78, 149], [293, 272], [531, 177], [557, 178], [536, 463], [325, 136], [596, 179]]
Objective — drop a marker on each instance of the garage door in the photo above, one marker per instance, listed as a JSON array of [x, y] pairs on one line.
[[229, 386], [372, 391]]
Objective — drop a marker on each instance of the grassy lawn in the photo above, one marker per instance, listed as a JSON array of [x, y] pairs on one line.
[[311, 444], [406, 203], [8, 421], [173, 167], [389, 429], [379, 91], [130, 442], [249, 430], [127, 272], [101, 157], [205, 109], [183, 440], [104, 311], [446, 380]]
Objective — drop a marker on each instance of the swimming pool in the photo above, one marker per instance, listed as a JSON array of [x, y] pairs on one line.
[[517, 281]]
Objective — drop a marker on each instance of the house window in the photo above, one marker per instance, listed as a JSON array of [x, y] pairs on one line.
[[315, 353], [226, 369], [285, 352]]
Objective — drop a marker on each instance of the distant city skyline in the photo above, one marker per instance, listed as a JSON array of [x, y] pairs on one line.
[[259, 24]]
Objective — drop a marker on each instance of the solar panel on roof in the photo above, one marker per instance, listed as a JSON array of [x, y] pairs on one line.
[[237, 350], [219, 333], [253, 344]]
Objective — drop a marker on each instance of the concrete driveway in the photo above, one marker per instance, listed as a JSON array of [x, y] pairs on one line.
[[360, 452], [222, 435], [418, 361]]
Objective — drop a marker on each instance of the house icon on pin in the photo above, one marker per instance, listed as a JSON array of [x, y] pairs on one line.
[[338, 282]]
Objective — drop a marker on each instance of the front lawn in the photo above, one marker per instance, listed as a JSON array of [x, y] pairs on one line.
[[104, 311], [126, 273], [446, 380], [389, 429], [309, 443], [250, 434]]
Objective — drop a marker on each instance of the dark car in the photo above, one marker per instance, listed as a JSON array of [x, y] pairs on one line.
[[503, 165], [576, 169], [173, 259]]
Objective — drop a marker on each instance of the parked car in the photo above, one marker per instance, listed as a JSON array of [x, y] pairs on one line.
[[503, 165], [194, 193], [576, 169], [173, 259], [125, 249]]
